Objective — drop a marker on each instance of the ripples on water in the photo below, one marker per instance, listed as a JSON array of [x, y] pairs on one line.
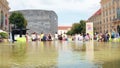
[[60, 54]]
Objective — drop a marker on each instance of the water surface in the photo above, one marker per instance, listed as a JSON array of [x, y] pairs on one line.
[[60, 54]]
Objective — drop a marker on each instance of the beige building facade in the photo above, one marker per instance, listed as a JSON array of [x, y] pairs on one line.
[[4, 14], [108, 13], [109, 17], [116, 21], [63, 29], [96, 19]]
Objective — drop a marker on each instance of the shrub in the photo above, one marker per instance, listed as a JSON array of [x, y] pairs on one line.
[[3, 35]]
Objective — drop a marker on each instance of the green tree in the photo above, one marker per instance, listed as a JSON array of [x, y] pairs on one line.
[[75, 28], [78, 28], [69, 32], [82, 26], [4, 35], [18, 20], [25, 23]]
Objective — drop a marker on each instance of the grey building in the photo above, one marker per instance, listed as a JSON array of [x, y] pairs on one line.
[[41, 21]]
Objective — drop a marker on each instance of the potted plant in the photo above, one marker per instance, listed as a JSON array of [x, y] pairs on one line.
[[3, 36]]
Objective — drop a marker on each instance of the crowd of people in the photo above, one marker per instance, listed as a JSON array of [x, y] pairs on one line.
[[106, 37], [77, 37], [49, 37]]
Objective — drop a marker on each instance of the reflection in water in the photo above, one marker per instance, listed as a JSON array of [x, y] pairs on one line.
[[90, 51], [60, 54], [18, 51]]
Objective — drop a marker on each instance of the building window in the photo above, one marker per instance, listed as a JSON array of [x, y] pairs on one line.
[[110, 19], [118, 13], [100, 22], [111, 10], [114, 17], [106, 20], [2, 19], [106, 12]]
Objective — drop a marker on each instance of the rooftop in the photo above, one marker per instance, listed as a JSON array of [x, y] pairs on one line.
[[96, 13], [64, 27]]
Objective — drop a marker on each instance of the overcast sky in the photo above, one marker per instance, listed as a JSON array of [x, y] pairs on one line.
[[68, 11]]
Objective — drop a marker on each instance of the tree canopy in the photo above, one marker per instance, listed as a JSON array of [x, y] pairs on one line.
[[78, 28], [18, 20]]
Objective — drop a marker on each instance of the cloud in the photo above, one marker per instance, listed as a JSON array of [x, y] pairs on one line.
[[62, 7], [69, 5]]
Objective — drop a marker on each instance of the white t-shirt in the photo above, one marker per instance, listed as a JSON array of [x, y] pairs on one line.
[[80, 38], [33, 36], [56, 36]]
